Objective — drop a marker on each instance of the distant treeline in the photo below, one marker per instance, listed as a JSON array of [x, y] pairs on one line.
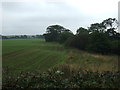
[[22, 36], [99, 37]]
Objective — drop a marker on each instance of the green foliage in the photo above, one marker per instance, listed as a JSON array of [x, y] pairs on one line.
[[64, 36], [115, 46], [110, 23], [53, 32], [50, 37], [57, 33], [97, 27], [82, 30], [79, 41], [99, 42], [56, 79], [99, 38]]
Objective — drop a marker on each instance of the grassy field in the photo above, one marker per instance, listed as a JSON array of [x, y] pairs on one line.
[[35, 54]]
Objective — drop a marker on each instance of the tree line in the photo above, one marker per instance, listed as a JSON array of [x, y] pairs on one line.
[[22, 36], [99, 37]]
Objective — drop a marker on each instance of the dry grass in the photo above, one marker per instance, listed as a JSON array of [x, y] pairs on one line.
[[76, 59]]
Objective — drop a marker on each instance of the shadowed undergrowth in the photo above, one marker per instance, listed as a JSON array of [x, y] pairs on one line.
[[62, 77]]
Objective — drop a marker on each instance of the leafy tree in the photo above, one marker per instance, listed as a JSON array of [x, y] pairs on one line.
[[99, 37], [115, 46], [23, 36], [57, 33], [54, 28], [82, 30], [53, 32], [4, 37], [39, 36], [80, 40], [99, 42], [64, 36], [97, 27], [110, 23]]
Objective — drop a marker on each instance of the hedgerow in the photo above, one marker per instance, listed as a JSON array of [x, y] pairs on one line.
[[57, 79]]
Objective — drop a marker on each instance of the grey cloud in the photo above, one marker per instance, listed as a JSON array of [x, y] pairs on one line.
[[33, 18]]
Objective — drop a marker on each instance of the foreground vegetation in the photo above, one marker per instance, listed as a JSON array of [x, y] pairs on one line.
[[61, 79]]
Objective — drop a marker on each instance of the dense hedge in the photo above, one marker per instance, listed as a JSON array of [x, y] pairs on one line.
[[57, 79], [98, 38]]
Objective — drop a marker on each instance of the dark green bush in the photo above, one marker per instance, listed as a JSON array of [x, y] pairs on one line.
[[55, 79]]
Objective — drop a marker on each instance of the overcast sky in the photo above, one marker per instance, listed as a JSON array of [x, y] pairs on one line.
[[34, 17]]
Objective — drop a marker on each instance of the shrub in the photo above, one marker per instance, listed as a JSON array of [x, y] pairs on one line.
[[56, 79]]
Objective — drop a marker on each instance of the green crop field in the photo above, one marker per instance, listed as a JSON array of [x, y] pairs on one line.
[[36, 54]]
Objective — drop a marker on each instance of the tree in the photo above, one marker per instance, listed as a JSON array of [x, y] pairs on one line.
[[64, 36], [80, 40], [115, 46], [52, 32], [97, 27], [99, 42], [4, 37], [55, 28], [39, 36], [99, 37], [111, 25], [82, 30]]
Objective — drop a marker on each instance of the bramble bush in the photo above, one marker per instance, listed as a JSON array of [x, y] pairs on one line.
[[56, 79]]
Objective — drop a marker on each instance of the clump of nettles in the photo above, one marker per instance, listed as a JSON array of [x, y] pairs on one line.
[[58, 79]]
